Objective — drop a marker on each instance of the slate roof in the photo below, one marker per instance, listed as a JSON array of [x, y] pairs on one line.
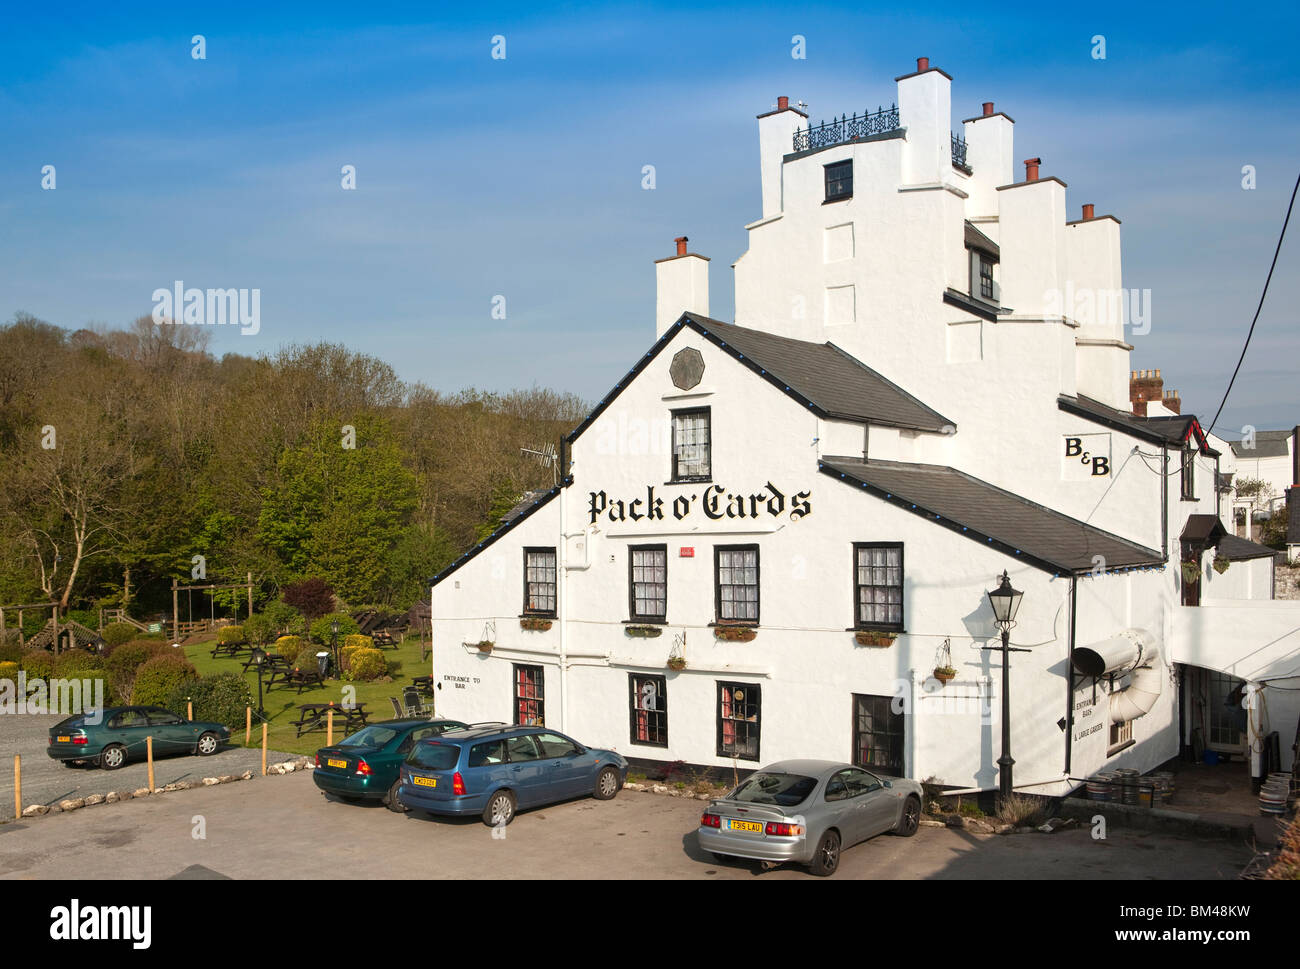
[[992, 516], [820, 376], [1267, 444], [975, 239], [1202, 529], [1172, 430], [1237, 549]]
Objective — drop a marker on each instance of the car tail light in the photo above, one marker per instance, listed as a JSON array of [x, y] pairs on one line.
[[710, 821], [81, 740], [783, 830], [363, 768], [457, 784], [318, 758]]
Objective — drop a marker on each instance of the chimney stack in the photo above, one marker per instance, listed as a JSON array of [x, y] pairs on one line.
[[1088, 210], [1143, 386], [682, 286], [782, 103], [922, 64], [1031, 169], [1172, 401], [988, 109]]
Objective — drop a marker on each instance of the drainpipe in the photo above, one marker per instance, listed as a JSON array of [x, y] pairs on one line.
[[1069, 673], [1164, 502], [562, 600]]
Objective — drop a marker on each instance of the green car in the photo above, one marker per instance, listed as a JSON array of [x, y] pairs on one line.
[[113, 736], [365, 765]]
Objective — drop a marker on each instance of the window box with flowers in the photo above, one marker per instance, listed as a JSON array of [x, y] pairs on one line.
[[537, 624], [875, 637], [640, 631], [734, 634]]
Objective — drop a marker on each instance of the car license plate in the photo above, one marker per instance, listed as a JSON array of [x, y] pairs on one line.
[[751, 826], [424, 781], [64, 740], [336, 763]]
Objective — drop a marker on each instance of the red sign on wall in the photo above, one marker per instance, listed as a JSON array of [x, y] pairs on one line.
[[686, 552]]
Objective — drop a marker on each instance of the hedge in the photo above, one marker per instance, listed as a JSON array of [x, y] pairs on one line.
[[8, 671], [117, 633], [289, 647], [228, 635], [218, 698], [73, 662], [259, 629], [10, 651], [126, 659], [322, 629], [38, 662], [367, 664], [159, 678], [363, 642]]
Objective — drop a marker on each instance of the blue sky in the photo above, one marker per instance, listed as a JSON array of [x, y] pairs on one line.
[[522, 177]]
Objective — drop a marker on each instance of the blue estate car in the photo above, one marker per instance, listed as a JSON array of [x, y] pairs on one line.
[[495, 770]]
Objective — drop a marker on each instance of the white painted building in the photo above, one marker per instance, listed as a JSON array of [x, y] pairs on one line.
[[929, 386]]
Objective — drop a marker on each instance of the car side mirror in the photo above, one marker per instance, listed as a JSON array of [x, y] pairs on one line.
[[889, 783]]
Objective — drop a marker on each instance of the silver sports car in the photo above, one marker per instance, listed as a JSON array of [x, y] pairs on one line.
[[807, 811]]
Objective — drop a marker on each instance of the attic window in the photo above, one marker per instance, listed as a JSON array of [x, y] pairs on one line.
[[839, 181]]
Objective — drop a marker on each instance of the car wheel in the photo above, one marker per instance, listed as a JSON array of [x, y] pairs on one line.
[[113, 757], [208, 744], [827, 858], [910, 819], [500, 809], [393, 801], [606, 784]]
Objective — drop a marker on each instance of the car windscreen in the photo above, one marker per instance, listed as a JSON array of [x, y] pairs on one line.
[[375, 736], [72, 723], [784, 790], [433, 756]]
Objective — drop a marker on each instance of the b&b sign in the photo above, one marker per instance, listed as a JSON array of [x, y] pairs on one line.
[[1086, 456]]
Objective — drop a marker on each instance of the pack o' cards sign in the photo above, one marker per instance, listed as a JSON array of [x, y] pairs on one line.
[[1085, 456], [715, 502]]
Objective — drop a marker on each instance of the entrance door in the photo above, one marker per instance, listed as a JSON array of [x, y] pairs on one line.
[[1225, 715]]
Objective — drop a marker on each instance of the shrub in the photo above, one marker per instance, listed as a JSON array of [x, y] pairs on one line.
[[117, 633], [219, 698], [364, 642], [38, 662], [86, 617], [158, 678], [322, 630], [289, 647], [10, 651], [74, 662], [259, 629], [1022, 809], [345, 656], [280, 614], [227, 635], [8, 671], [311, 597], [123, 662], [367, 664]]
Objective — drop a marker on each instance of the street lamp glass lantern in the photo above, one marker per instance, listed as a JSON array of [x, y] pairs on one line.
[[1005, 601], [335, 627], [258, 656]]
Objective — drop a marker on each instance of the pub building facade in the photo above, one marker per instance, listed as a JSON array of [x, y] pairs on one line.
[[772, 534]]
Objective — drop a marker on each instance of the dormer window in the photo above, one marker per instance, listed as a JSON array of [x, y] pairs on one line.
[[982, 284], [839, 181], [1189, 474]]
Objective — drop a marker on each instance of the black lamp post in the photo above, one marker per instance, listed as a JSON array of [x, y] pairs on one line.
[[334, 627], [1006, 603], [258, 656]]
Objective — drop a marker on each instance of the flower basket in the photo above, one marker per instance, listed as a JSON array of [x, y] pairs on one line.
[[1191, 571], [535, 624], [677, 663], [1221, 564], [874, 637], [735, 634], [643, 632], [944, 673], [483, 647]]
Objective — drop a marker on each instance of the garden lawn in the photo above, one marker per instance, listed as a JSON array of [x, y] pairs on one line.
[[281, 703]]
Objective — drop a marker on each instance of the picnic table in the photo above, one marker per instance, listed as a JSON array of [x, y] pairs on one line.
[[384, 638], [424, 684], [303, 678], [277, 668], [315, 716], [229, 649]]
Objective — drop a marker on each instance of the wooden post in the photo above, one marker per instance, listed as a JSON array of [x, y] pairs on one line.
[[189, 711], [18, 785], [329, 728], [148, 743], [22, 639], [263, 749], [248, 726], [250, 595], [176, 613], [56, 629]]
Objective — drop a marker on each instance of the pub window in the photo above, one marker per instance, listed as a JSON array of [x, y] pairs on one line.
[[692, 445], [530, 699], [739, 705], [649, 709], [1121, 736], [877, 734], [736, 583], [648, 582], [539, 581], [878, 584], [839, 181], [1189, 474]]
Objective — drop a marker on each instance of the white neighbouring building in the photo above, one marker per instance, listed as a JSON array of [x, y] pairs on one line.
[[929, 384]]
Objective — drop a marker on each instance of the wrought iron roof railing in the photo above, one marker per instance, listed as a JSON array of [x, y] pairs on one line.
[[959, 151], [847, 128]]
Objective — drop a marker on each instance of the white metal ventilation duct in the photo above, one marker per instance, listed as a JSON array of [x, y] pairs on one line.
[[1135, 651]]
